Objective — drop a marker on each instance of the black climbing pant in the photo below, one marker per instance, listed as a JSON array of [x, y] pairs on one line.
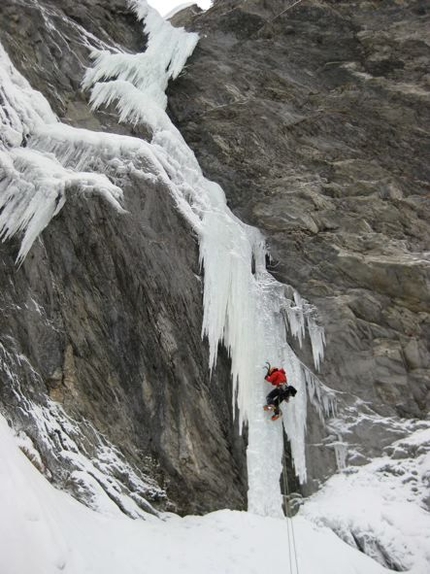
[[280, 394]]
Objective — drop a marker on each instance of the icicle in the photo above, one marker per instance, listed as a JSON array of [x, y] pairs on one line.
[[33, 183], [33, 190], [322, 397], [22, 109], [167, 51]]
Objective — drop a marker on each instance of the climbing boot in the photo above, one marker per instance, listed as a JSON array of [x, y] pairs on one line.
[[269, 407]]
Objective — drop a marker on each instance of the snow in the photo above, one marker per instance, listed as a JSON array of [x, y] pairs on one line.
[[382, 507], [85, 462], [44, 531]]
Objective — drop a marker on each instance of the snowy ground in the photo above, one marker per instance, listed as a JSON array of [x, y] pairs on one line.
[[44, 531], [383, 507]]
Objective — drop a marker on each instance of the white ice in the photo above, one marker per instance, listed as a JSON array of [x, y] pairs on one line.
[[33, 184]]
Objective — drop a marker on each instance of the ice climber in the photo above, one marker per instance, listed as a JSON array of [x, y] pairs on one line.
[[282, 391]]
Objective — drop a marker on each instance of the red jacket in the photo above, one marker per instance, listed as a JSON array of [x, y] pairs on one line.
[[277, 378]]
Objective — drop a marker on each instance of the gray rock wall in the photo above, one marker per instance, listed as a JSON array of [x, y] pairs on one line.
[[313, 120], [107, 307]]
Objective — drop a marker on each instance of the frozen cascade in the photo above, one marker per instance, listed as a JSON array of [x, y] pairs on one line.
[[33, 184], [245, 308]]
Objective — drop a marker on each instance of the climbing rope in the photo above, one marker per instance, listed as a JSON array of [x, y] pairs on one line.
[[286, 10], [291, 539], [268, 22]]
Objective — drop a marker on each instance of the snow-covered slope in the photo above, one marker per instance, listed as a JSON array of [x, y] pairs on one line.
[[44, 531], [382, 508]]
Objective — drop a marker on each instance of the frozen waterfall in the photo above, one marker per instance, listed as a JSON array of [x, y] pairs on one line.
[[245, 308]]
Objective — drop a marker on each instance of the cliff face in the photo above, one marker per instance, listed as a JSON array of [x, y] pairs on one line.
[[312, 119], [103, 318]]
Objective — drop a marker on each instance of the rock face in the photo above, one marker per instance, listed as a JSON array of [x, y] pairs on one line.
[[312, 117], [106, 311]]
